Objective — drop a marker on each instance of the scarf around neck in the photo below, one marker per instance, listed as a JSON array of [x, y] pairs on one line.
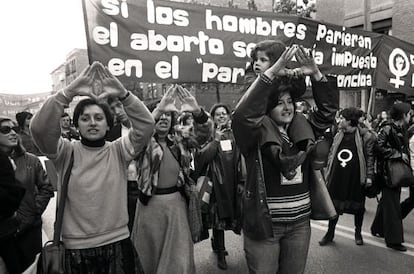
[[95, 143]]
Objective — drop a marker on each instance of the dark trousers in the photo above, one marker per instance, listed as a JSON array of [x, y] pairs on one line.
[[218, 240], [133, 193], [408, 204], [358, 220], [388, 219]]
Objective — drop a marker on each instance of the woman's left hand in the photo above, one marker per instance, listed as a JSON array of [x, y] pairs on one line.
[[189, 102], [307, 62], [111, 86]]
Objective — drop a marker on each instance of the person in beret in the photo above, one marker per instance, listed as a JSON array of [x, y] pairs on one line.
[[392, 144]]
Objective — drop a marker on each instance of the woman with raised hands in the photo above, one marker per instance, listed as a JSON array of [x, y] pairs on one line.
[[279, 148], [95, 223], [162, 231]]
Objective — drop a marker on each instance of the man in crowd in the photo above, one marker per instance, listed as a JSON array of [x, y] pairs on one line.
[[67, 131], [121, 128]]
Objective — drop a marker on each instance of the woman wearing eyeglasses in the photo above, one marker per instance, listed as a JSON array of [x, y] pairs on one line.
[[19, 250]]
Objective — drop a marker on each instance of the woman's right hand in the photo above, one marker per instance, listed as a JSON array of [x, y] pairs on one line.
[[82, 85], [218, 133], [167, 103]]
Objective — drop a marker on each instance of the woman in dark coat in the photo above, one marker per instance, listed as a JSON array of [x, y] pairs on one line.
[[392, 144], [220, 158], [350, 169], [20, 250]]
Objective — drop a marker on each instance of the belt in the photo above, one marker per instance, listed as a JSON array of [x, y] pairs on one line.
[[168, 190]]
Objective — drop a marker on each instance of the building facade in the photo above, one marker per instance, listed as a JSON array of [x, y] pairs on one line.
[[390, 17]]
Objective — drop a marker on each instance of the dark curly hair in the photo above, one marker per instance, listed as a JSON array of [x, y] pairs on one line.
[[295, 87], [171, 130]]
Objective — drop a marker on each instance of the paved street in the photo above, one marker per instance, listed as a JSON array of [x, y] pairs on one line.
[[343, 256]]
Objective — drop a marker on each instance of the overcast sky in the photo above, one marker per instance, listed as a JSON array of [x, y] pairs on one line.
[[35, 38]]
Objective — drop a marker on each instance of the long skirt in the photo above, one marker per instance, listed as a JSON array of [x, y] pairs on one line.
[[162, 237]]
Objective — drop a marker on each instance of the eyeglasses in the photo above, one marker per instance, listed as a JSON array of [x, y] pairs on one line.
[[7, 129]]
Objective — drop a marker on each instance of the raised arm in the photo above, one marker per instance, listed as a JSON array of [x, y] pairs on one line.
[[45, 125], [251, 109], [325, 93]]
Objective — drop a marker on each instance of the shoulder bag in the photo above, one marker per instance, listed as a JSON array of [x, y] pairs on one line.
[[322, 207], [204, 188], [52, 257], [399, 173]]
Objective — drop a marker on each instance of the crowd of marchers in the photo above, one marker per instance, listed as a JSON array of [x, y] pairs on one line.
[[149, 182]]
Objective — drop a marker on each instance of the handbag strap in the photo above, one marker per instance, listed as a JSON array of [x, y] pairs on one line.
[[62, 201]]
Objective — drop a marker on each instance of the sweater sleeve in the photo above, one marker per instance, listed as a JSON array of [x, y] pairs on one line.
[[142, 127], [326, 96], [45, 124]]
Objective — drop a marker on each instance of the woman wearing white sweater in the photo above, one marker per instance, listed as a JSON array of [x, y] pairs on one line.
[[94, 229]]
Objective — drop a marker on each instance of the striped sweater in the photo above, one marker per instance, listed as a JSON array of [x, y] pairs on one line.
[[288, 200], [289, 208]]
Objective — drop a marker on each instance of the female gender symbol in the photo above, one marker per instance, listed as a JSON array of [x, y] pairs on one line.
[[345, 160]]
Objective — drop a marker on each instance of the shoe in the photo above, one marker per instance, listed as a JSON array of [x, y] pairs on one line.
[[398, 247], [358, 238], [221, 260], [325, 240]]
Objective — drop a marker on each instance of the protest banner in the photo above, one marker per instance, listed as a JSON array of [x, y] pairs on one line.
[[165, 41]]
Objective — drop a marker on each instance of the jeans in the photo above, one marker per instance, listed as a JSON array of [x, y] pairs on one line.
[[286, 252]]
